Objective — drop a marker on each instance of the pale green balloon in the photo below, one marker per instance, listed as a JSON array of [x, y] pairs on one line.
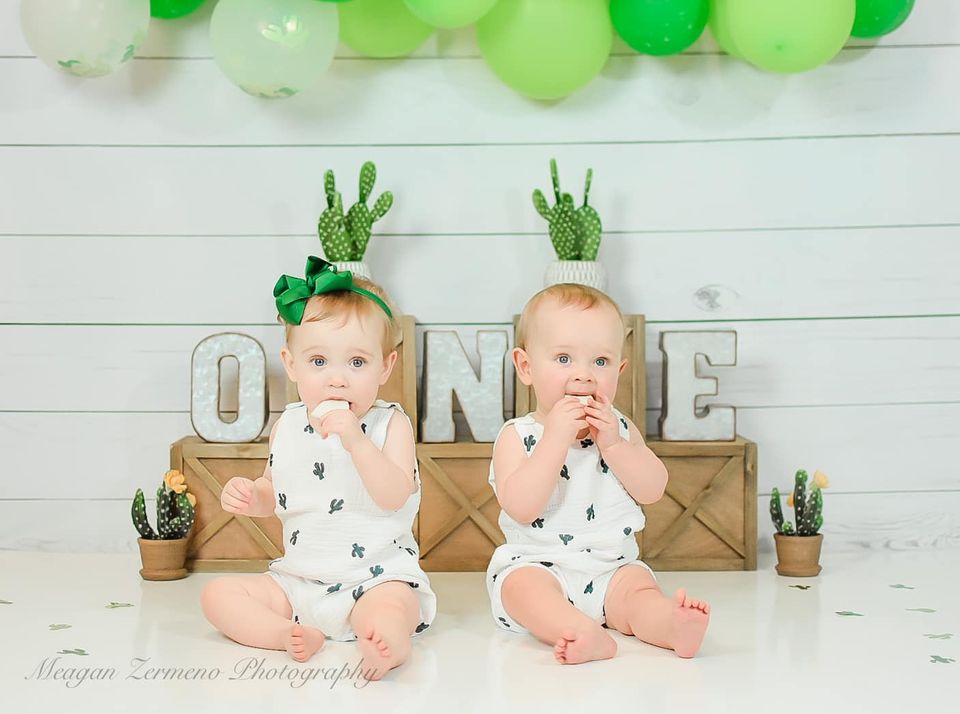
[[86, 38], [381, 28], [448, 14], [274, 48], [546, 49], [789, 35], [719, 27]]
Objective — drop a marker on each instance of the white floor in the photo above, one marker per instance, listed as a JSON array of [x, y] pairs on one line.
[[771, 647]]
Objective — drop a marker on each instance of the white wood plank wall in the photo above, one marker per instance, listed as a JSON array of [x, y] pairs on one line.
[[817, 215]]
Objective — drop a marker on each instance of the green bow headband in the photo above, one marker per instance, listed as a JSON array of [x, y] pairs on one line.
[[321, 277]]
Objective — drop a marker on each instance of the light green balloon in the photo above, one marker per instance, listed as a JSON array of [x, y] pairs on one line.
[[719, 27], [546, 49], [85, 38], [381, 28], [789, 35], [273, 48], [450, 13]]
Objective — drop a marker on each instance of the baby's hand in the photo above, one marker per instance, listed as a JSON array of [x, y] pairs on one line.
[[238, 496], [343, 423], [565, 420], [604, 427]]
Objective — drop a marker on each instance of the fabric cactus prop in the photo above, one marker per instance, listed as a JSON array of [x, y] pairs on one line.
[[345, 238], [808, 509], [175, 512], [574, 232]]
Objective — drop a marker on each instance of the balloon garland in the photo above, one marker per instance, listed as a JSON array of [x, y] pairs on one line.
[[544, 49]]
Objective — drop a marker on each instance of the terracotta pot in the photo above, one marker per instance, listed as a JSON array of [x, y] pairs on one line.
[[583, 272], [798, 556], [163, 559]]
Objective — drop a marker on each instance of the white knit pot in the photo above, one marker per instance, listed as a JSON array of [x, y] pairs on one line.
[[357, 267], [584, 272]]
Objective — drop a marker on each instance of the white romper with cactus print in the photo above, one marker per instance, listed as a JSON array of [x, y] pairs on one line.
[[338, 543], [585, 533]]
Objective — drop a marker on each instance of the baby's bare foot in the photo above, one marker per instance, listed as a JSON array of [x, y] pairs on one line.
[[578, 646], [382, 651], [302, 642], [690, 618]]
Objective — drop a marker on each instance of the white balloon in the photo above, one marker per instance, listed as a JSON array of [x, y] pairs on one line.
[[86, 38], [274, 48]]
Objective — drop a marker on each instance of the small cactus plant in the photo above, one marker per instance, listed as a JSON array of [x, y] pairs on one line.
[[345, 237], [175, 510], [574, 232], [808, 509]]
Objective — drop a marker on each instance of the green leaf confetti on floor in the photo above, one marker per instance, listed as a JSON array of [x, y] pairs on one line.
[[77, 651], [800, 587], [848, 613], [920, 609], [900, 586], [113, 605], [60, 627], [5, 602], [944, 636], [937, 659]]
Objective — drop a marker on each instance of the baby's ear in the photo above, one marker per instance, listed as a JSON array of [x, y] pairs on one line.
[[388, 363], [521, 363], [287, 360], [623, 365]]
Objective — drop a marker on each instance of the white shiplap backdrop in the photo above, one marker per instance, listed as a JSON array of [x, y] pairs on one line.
[[817, 215]]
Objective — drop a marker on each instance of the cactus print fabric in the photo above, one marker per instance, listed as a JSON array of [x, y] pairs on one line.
[[338, 543]]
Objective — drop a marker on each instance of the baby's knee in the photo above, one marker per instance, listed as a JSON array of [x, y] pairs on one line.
[[214, 594]]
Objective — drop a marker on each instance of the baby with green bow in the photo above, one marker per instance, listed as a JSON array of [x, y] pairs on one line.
[[343, 447]]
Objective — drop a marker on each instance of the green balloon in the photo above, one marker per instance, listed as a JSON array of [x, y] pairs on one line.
[[546, 49], [170, 9], [659, 27], [789, 35], [450, 13], [719, 27], [381, 28], [880, 17]]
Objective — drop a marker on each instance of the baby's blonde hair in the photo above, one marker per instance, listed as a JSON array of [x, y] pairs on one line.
[[567, 295], [344, 303]]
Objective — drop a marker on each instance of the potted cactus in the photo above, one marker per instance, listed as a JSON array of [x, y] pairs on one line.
[[798, 551], [163, 552], [345, 237], [575, 234]]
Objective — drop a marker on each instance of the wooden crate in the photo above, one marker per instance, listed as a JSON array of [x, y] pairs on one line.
[[707, 519], [225, 542], [458, 528], [631, 396]]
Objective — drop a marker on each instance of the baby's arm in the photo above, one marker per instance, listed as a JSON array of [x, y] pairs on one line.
[[388, 474], [524, 485], [641, 472], [251, 498]]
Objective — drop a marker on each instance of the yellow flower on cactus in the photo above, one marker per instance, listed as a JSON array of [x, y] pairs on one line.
[[175, 481], [820, 480], [790, 501], [192, 499]]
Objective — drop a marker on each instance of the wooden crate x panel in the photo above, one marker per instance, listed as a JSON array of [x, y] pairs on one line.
[[458, 511]]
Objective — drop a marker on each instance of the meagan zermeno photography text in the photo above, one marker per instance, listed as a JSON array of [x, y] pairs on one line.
[[246, 669]]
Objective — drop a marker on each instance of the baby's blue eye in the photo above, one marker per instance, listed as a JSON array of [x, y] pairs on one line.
[[563, 359], [319, 361], [601, 361], [358, 362]]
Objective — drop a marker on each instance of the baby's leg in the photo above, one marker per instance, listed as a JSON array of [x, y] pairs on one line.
[[383, 620], [636, 606], [253, 610], [534, 598]]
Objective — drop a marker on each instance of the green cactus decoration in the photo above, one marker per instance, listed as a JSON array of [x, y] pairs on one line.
[[345, 238], [175, 515], [808, 509], [574, 232]]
